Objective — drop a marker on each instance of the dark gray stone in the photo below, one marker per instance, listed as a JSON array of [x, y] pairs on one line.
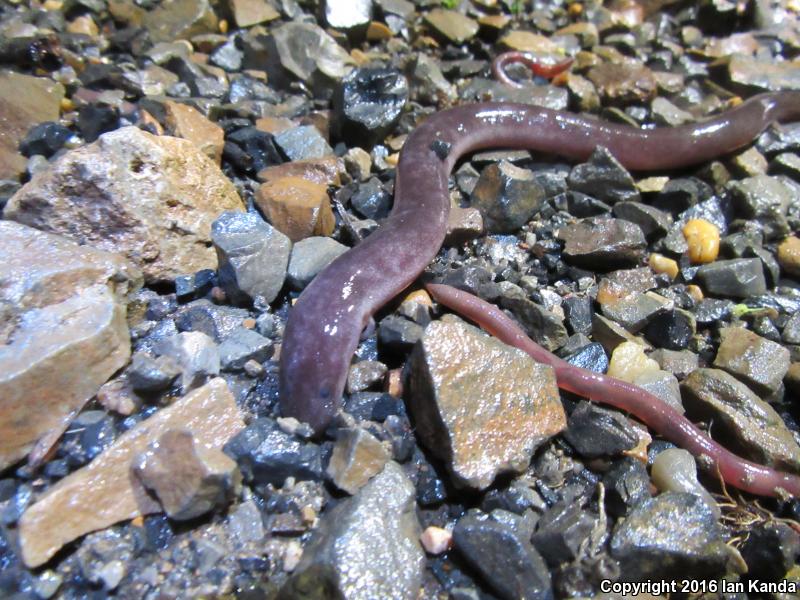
[[627, 485], [241, 346], [148, 374], [653, 222], [561, 532], [507, 197], [736, 278], [601, 243], [604, 178], [595, 431]]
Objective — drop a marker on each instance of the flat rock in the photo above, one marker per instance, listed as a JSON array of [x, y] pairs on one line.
[[297, 207], [623, 83], [150, 198], [480, 405], [253, 12], [184, 121], [180, 19], [601, 243], [63, 332], [326, 171], [753, 425], [365, 547], [104, 493], [603, 177], [309, 257], [735, 278], [451, 25], [757, 361], [507, 197], [357, 457], [25, 101]]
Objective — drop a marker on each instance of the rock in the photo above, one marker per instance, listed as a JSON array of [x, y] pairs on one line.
[[25, 101], [604, 244], [604, 178], [679, 363], [45, 138], [789, 256], [398, 334], [364, 374], [527, 41], [674, 470], [766, 199], [428, 83], [253, 256], [104, 493], [368, 105], [303, 143], [758, 362], [493, 404], [507, 561], [674, 535], [627, 485], [195, 353], [267, 454], [595, 431], [663, 385], [348, 14], [358, 163], [561, 532], [629, 362], [436, 540], [187, 478], [180, 19], [296, 207], [463, 225], [623, 83], [253, 12], [150, 198], [764, 76], [672, 330], [366, 547], [591, 357], [451, 25], [771, 550], [736, 278], [371, 200], [63, 333], [326, 171], [545, 327], [185, 122], [507, 197], [216, 321], [653, 222], [309, 257], [148, 374], [189, 287], [630, 305], [757, 431], [666, 113], [680, 194], [241, 346], [357, 457]]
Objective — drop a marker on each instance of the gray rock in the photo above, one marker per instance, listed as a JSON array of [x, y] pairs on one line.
[[594, 431], [762, 75], [757, 361], [309, 257], [252, 254], [604, 178], [604, 244], [653, 222], [767, 199], [180, 20], [678, 362], [428, 82], [661, 384], [791, 330], [148, 374], [241, 346], [507, 197], [357, 457], [627, 485], [673, 535], [364, 374], [506, 560], [545, 327], [195, 353], [366, 547], [666, 113], [304, 142], [562, 531], [736, 278], [396, 333], [371, 200], [216, 321]]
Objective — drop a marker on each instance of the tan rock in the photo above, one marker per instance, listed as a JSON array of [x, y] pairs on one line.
[[252, 12], [150, 198], [274, 125], [527, 41], [325, 171], [180, 19], [451, 25], [24, 101], [188, 123], [83, 25], [789, 255], [357, 457], [104, 493], [480, 405], [188, 479], [62, 332], [296, 207]]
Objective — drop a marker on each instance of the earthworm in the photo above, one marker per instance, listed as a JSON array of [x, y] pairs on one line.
[[323, 327], [537, 68], [651, 410]]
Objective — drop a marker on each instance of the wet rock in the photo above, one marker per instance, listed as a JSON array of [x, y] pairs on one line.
[[791, 330], [46, 139], [89, 434], [591, 357], [358, 163], [252, 12], [104, 558], [736, 278], [296, 207], [25, 101], [303, 143], [371, 200], [215, 321], [428, 82], [627, 485], [623, 83], [150, 198], [766, 76], [309, 257], [63, 332], [368, 105], [758, 362], [679, 194], [561, 532], [187, 478], [672, 535], [380, 518], [180, 19], [104, 493], [595, 431], [326, 171], [771, 550], [662, 385], [666, 113], [398, 334], [195, 353], [751, 424], [789, 256], [679, 363], [603, 244], [507, 197], [508, 562], [364, 374], [788, 164], [481, 397], [189, 287], [766, 199], [653, 222], [671, 330], [578, 310], [630, 305], [241, 346], [357, 457], [148, 374], [451, 25], [95, 120], [545, 327], [604, 178], [267, 454], [185, 122], [675, 470], [348, 14], [253, 256]]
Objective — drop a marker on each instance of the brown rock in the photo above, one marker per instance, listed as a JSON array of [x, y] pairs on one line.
[[274, 125], [188, 479], [180, 19], [757, 361], [357, 457], [527, 41], [479, 404], [296, 207], [451, 25], [62, 332], [83, 25], [463, 225], [623, 83], [150, 198], [252, 12], [325, 171], [789, 255], [104, 493], [24, 102], [185, 122]]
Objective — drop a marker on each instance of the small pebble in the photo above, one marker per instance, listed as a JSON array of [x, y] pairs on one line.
[[703, 240], [436, 540]]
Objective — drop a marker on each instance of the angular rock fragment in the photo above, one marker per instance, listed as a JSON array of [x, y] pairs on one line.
[[757, 361], [357, 457], [604, 244], [296, 207]]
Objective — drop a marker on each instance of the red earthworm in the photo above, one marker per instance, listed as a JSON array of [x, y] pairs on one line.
[[537, 68], [651, 410]]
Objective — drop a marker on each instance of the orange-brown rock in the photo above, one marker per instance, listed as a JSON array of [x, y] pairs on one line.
[[252, 12], [480, 405], [623, 83], [296, 207], [789, 256], [104, 492], [188, 123], [274, 125], [326, 171], [357, 457]]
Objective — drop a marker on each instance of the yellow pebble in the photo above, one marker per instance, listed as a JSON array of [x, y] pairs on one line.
[[695, 292], [703, 239], [628, 361], [661, 264], [575, 10], [223, 26]]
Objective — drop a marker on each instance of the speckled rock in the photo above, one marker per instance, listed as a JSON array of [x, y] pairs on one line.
[[366, 547], [296, 207], [357, 457], [604, 178], [601, 243], [196, 355], [480, 405], [544, 326], [150, 198], [757, 361], [104, 493], [507, 197]]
